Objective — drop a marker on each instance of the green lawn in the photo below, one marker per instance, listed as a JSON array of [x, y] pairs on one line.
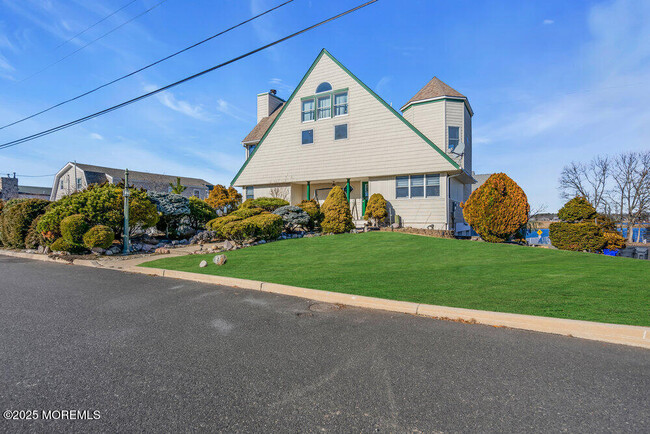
[[496, 277]]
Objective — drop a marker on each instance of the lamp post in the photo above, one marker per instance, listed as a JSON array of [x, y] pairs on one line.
[[126, 248]]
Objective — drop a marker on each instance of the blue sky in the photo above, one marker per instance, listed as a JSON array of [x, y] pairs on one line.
[[549, 82]]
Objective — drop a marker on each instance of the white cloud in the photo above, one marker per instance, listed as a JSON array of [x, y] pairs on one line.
[[168, 99], [234, 112], [279, 84], [96, 136], [382, 84], [547, 22]]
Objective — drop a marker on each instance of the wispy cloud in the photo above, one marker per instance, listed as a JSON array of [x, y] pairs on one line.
[[234, 112], [279, 84], [96, 136], [168, 99], [382, 84], [548, 22]]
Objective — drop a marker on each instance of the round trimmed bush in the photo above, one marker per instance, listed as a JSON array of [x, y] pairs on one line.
[[336, 209], [376, 209], [73, 228], [576, 210], [579, 237], [99, 236], [293, 216], [269, 204], [498, 209], [268, 226], [312, 208], [63, 245]]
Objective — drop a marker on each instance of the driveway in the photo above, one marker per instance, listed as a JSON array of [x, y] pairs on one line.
[[157, 354]]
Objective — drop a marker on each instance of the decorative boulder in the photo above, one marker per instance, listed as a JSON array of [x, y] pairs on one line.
[[203, 264], [219, 259], [98, 250], [228, 245]]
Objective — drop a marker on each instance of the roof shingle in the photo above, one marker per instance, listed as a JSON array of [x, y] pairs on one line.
[[97, 171], [260, 129], [434, 89]]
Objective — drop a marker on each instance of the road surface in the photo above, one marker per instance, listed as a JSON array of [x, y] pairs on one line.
[[157, 354]]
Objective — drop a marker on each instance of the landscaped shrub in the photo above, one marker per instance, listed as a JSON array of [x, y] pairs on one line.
[[238, 231], [613, 240], [200, 213], [100, 204], [63, 245], [584, 236], [293, 217], [173, 208], [223, 200], [268, 226], [376, 209], [336, 209], [34, 238], [312, 208], [576, 210], [99, 236], [73, 228], [269, 204], [16, 218], [498, 209]]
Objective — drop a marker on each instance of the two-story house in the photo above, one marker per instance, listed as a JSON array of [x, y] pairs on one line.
[[334, 130], [75, 177]]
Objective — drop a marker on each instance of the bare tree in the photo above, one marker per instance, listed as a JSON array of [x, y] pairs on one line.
[[631, 189], [279, 192], [586, 180], [533, 222]]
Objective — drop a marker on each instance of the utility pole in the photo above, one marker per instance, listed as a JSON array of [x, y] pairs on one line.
[[125, 237]]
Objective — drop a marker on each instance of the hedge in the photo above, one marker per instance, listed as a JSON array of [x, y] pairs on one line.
[[584, 236], [498, 209], [16, 218]]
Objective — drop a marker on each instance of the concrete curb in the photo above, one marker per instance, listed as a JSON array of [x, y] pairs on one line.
[[613, 333]]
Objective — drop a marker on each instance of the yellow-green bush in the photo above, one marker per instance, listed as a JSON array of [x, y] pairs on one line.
[[376, 209], [247, 223], [73, 228], [312, 208], [63, 245], [16, 218], [269, 204], [268, 226], [336, 209], [576, 210], [613, 240], [99, 236], [583, 236]]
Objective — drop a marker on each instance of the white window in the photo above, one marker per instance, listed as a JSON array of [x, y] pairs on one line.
[[341, 132], [341, 104], [417, 185], [454, 137], [324, 107], [308, 110], [79, 184], [197, 193], [307, 137], [250, 193], [402, 186], [433, 185]]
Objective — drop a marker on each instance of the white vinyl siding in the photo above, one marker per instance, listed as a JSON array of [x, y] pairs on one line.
[[382, 144]]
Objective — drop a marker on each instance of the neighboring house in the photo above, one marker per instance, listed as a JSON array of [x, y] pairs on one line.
[[480, 179], [76, 176], [334, 130], [9, 189]]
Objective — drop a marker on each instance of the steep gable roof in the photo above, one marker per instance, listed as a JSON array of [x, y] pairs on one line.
[[279, 112], [262, 127], [433, 89]]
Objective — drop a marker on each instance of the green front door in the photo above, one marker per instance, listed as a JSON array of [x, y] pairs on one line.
[[364, 197]]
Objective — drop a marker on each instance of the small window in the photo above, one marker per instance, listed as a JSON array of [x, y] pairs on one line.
[[250, 193], [433, 185], [402, 186], [169, 189], [307, 137], [79, 184], [454, 138], [417, 185], [197, 193], [251, 148], [61, 184], [324, 107], [341, 104], [308, 110], [323, 87], [340, 132]]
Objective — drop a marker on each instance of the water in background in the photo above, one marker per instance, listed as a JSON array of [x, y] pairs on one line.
[[532, 237]]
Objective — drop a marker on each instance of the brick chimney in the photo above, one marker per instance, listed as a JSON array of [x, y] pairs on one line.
[[267, 102]]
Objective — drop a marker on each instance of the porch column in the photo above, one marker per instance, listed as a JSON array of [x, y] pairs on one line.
[[347, 190], [308, 190]]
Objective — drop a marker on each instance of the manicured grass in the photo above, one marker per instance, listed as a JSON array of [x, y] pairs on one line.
[[496, 277]]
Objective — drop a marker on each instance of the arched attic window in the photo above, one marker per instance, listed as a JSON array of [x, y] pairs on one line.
[[323, 87]]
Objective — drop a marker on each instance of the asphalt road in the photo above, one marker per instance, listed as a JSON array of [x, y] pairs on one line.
[[157, 354]]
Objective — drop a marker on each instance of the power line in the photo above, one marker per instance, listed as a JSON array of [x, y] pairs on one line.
[[94, 40], [93, 25], [36, 176], [169, 86], [148, 66]]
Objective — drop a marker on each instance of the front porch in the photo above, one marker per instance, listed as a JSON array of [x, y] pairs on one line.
[[356, 191]]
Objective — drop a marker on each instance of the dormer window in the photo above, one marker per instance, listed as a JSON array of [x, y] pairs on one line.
[[324, 87]]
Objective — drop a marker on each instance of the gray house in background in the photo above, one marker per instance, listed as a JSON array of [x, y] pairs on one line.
[[9, 189], [77, 176]]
